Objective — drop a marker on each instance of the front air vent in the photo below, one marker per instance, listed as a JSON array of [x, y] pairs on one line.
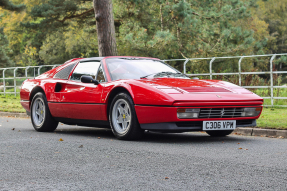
[[65, 72], [204, 89]]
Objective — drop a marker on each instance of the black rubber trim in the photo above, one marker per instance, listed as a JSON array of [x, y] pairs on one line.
[[83, 122], [78, 103], [189, 125]]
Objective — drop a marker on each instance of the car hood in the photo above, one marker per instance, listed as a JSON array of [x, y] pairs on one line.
[[194, 86], [200, 90]]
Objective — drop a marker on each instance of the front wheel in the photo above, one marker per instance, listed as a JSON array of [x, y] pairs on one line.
[[123, 119], [220, 133], [40, 114]]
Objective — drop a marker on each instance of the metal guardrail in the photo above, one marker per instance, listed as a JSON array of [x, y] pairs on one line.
[[4, 79], [240, 73], [210, 74]]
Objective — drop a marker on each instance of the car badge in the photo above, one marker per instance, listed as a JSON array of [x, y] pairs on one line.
[[222, 112], [218, 96]]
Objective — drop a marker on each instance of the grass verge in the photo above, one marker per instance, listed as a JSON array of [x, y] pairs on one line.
[[11, 103], [271, 118]]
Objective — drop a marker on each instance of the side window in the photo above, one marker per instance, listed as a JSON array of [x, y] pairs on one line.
[[65, 72], [86, 69], [101, 75]]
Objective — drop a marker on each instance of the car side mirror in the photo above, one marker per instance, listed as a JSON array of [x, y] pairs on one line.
[[89, 79]]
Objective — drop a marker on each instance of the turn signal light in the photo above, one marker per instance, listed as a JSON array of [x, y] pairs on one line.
[[188, 113], [251, 111]]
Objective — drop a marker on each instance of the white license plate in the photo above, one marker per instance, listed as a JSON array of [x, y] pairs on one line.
[[219, 125]]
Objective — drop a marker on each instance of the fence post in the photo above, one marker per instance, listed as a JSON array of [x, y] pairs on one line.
[[4, 83], [210, 67], [26, 73], [15, 83], [184, 66], [39, 70], [271, 77], [239, 69]]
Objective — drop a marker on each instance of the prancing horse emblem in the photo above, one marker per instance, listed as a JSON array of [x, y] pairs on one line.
[[222, 112], [218, 96]]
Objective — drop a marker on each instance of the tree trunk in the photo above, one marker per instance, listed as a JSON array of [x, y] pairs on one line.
[[105, 27]]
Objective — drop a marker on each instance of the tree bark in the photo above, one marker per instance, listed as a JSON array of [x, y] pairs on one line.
[[105, 27]]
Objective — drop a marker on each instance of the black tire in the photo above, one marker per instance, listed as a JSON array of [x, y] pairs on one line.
[[41, 117], [124, 123], [219, 133]]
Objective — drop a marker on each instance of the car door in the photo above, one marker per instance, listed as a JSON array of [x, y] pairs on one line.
[[82, 100]]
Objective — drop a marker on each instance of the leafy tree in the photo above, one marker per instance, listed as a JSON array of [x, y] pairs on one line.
[[185, 28], [8, 5], [5, 61], [275, 15]]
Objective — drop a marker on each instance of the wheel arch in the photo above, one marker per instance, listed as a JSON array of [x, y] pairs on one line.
[[113, 93], [33, 92]]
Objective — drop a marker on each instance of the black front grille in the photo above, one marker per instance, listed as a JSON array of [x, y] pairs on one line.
[[220, 112]]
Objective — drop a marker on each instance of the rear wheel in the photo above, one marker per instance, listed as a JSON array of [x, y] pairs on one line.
[[40, 114], [220, 133], [123, 119]]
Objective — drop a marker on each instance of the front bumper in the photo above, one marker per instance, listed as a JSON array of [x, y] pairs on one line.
[[189, 126]]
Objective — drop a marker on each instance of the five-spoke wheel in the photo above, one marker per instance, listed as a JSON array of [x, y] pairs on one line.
[[123, 118], [38, 111], [40, 114]]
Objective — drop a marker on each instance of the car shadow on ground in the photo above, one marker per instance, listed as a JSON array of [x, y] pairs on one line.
[[153, 137]]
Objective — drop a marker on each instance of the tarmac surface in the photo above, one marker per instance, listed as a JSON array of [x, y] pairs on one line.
[[82, 158]]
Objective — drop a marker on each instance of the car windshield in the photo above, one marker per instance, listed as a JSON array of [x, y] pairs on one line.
[[135, 68]]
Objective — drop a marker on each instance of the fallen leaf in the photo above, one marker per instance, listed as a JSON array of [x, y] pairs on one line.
[[246, 149], [81, 146], [166, 178], [240, 148], [99, 137], [7, 121], [281, 137], [13, 129], [19, 131], [61, 139], [238, 143], [222, 141]]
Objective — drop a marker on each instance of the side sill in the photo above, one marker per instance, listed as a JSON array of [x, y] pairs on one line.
[[83, 122]]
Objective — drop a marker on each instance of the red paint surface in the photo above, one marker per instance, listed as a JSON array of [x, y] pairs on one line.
[[151, 114], [89, 111], [88, 101]]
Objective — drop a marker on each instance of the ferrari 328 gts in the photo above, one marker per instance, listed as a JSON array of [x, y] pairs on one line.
[[134, 94]]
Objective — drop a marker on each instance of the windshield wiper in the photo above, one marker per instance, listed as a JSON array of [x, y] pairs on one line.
[[154, 74], [160, 74]]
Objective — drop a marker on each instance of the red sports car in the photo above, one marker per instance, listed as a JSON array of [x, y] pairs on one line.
[[134, 94]]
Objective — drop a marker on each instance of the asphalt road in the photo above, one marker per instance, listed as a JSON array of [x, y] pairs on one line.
[[92, 159]]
